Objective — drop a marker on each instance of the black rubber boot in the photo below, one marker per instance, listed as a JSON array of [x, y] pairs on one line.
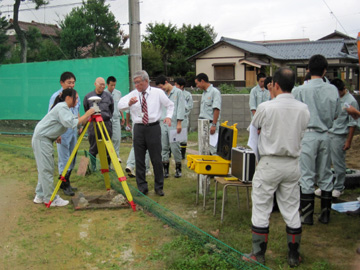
[[307, 208], [178, 170], [259, 244], [326, 198], [67, 177], [65, 186], [166, 170], [183, 149], [293, 241]]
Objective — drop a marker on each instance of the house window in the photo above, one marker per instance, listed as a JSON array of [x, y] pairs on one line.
[[224, 71]]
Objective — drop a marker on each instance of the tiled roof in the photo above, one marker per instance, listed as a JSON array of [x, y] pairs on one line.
[[294, 50], [331, 49], [45, 29], [304, 50], [251, 47]]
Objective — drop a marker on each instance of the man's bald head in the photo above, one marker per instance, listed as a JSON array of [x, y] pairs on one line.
[[99, 85]]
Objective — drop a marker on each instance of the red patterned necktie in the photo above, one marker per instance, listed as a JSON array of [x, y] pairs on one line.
[[144, 109]]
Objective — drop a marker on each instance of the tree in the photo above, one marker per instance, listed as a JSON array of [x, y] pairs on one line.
[[165, 37], [151, 59], [76, 33], [4, 47], [197, 38], [49, 51], [176, 45], [92, 24], [34, 40], [20, 33]]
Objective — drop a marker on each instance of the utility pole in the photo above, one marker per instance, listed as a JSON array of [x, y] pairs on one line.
[[135, 43]]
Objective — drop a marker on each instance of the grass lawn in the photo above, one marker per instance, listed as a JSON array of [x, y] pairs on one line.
[[34, 237]]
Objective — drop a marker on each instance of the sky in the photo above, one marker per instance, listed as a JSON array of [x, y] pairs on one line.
[[254, 20]]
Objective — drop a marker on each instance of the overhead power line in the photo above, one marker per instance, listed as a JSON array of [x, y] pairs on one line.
[[47, 6], [55, 6]]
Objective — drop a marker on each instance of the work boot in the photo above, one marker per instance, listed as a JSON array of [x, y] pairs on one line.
[[293, 241], [183, 149], [166, 170], [65, 186], [326, 198], [259, 244], [178, 170], [307, 208], [67, 177]]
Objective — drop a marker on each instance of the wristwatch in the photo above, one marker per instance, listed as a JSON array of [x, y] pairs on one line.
[[212, 124]]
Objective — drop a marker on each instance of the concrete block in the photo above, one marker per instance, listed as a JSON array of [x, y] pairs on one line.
[[227, 98], [238, 104], [226, 117], [226, 110]]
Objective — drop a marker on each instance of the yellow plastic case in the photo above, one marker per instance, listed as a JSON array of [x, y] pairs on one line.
[[216, 165]]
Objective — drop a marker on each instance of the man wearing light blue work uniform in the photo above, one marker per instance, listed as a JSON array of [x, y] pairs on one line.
[[258, 94], [115, 120], [210, 105], [176, 96], [341, 135], [323, 103], [67, 141], [180, 83]]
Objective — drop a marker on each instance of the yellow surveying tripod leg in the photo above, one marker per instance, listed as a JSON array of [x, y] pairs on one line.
[[71, 158], [119, 172], [102, 154]]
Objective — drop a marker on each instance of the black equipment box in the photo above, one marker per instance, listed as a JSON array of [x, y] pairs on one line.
[[243, 163]]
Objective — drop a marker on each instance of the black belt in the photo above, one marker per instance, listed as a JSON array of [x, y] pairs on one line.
[[150, 124]]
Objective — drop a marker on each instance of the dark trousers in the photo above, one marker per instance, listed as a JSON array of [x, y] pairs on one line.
[[148, 138], [92, 139]]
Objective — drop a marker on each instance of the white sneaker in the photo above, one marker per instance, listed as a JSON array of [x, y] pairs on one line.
[[337, 193], [358, 198], [119, 159], [318, 192], [59, 202], [38, 199]]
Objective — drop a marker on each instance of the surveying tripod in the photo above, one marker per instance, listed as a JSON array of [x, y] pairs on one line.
[[102, 145]]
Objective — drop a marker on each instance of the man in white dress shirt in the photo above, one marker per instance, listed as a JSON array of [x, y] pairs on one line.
[[145, 104], [282, 123]]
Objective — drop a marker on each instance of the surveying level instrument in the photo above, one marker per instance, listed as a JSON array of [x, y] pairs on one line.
[[103, 144]]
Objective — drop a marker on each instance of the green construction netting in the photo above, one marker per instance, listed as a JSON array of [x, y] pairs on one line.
[[26, 88], [208, 242]]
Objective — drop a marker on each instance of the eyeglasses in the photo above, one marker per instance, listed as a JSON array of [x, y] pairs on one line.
[[138, 82]]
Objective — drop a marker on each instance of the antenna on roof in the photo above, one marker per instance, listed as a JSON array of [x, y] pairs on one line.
[[303, 30]]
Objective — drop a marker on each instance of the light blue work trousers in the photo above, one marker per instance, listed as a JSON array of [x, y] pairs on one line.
[[65, 148], [44, 157], [338, 155], [315, 162]]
